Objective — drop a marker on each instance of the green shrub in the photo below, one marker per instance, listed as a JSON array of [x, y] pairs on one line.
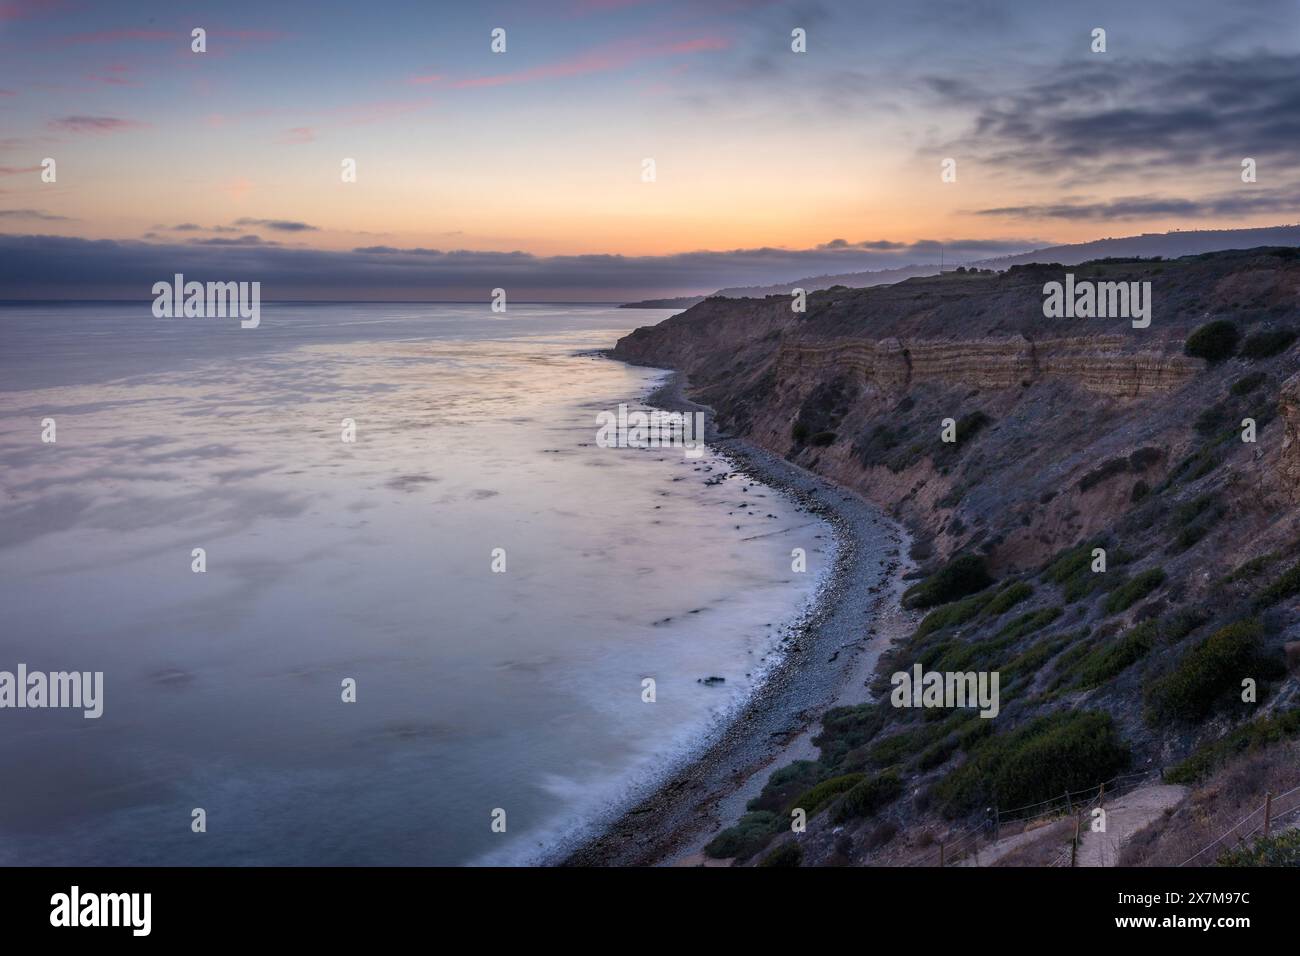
[[813, 800], [958, 612], [822, 439], [785, 784], [1027, 624], [1134, 590], [846, 728], [1214, 341], [1068, 750], [1248, 383], [1256, 735], [961, 576], [1280, 850], [799, 432], [938, 753], [1206, 673], [1267, 343], [754, 831], [868, 797], [787, 854], [1106, 662], [1284, 587], [1008, 598]]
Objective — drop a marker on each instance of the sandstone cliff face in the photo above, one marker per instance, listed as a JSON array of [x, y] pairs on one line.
[[1067, 436], [859, 386], [1288, 467], [1099, 364]]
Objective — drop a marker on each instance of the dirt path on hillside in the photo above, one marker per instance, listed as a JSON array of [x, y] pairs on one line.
[[1124, 817]]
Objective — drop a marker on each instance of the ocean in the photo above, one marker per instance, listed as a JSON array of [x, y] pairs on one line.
[[490, 586]]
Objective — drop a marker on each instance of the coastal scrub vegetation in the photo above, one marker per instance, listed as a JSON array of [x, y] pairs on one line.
[[1267, 343], [1214, 341], [1207, 673], [1250, 737], [961, 576], [1068, 750]]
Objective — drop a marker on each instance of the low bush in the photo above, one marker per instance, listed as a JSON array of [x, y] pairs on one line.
[[1287, 585], [1111, 659], [787, 854], [1069, 750], [1134, 590], [1248, 383], [960, 577], [1256, 735], [1280, 850], [1007, 598], [813, 800], [868, 797], [1214, 341], [1266, 344], [1206, 673], [754, 831]]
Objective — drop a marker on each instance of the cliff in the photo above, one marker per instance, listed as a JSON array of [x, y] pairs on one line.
[[1017, 447]]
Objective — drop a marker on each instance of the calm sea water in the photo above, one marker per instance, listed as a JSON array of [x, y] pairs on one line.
[[476, 691]]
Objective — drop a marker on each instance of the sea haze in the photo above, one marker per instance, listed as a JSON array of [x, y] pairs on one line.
[[328, 560]]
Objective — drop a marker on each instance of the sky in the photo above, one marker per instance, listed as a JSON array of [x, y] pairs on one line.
[[526, 169]]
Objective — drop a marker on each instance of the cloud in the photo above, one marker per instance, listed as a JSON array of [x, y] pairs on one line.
[[299, 134], [34, 266], [1089, 120], [122, 35], [280, 225], [249, 240], [33, 214], [602, 59], [94, 124], [1245, 202]]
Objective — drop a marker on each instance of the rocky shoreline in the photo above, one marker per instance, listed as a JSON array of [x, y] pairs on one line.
[[827, 661]]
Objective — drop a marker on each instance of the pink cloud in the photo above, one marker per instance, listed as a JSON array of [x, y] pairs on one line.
[[603, 59], [118, 36], [94, 124], [21, 9], [115, 74], [299, 134]]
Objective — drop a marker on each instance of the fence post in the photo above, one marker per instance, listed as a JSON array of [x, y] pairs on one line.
[[1101, 796], [940, 853], [1069, 805], [1074, 845], [1268, 811], [997, 822]]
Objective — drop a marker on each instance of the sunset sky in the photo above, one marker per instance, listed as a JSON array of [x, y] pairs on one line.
[[524, 169]]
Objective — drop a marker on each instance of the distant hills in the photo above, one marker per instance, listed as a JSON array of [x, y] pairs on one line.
[[1169, 245]]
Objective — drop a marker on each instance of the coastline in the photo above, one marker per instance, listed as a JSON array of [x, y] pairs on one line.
[[828, 662]]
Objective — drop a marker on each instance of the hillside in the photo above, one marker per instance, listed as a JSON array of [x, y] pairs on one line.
[[1071, 435]]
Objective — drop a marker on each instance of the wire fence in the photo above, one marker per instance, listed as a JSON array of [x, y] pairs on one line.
[[1267, 815], [1281, 811], [966, 844]]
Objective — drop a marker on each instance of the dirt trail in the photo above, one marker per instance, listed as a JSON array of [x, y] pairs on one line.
[[1125, 816]]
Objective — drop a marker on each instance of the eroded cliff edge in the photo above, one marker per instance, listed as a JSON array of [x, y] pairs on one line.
[[1072, 435]]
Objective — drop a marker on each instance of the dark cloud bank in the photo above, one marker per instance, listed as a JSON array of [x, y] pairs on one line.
[[57, 267]]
